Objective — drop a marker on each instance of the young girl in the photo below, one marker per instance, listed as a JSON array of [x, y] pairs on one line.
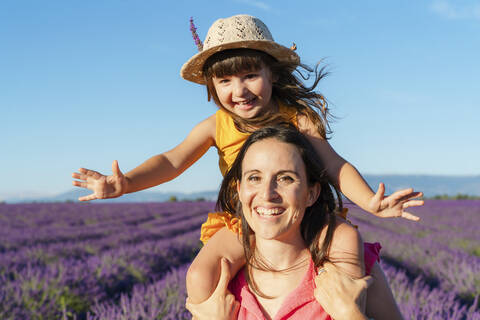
[[250, 78]]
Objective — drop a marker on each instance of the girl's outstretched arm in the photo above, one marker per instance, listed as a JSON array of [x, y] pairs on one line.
[[156, 170], [354, 186]]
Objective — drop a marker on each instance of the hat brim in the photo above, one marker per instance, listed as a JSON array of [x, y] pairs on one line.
[[192, 70]]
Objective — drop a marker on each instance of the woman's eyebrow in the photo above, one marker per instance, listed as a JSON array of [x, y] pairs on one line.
[[250, 171], [277, 173], [288, 171]]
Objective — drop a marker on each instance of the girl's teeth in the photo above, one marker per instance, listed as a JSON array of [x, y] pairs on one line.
[[245, 102]]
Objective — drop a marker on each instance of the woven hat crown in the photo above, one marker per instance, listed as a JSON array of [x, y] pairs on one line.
[[236, 28], [240, 31]]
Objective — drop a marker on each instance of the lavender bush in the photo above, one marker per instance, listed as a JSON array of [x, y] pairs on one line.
[[60, 260], [128, 261]]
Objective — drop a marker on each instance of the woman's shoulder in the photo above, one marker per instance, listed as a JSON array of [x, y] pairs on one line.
[[346, 249]]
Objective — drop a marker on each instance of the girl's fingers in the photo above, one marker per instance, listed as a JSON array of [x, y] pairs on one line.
[[79, 184], [77, 175], [414, 195], [380, 192], [88, 198], [413, 203], [398, 195], [409, 216], [90, 173], [116, 169]]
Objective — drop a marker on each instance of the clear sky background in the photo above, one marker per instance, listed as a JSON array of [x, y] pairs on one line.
[[85, 82]]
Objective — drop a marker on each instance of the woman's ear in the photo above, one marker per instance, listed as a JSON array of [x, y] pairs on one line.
[[238, 186], [313, 194]]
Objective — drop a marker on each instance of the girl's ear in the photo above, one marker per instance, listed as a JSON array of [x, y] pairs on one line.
[[238, 186], [274, 77], [313, 194]]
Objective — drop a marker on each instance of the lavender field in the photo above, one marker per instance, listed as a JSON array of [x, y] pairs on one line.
[[128, 261]]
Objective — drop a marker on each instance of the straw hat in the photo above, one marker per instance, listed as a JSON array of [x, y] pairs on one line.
[[240, 31]]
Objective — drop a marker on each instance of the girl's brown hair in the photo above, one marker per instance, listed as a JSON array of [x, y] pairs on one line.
[[316, 217], [288, 88]]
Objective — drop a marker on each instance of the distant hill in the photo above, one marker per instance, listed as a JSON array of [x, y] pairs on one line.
[[431, 185], [142, 196]]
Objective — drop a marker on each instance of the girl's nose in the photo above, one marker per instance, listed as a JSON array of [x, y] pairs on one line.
[[239, 88]]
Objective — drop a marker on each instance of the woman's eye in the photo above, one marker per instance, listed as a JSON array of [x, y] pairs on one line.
[[253, 178], [285, 179]]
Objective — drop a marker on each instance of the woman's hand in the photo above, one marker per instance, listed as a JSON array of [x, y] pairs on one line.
[[395, 204], [103, 187], [341, 296], [221, 305]]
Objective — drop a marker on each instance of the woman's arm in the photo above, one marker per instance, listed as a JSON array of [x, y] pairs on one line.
[[341, 296]]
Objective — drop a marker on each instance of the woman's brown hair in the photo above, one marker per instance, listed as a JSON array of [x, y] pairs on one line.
[[316, 217]]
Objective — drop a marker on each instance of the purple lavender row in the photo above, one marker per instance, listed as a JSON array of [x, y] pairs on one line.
[[40, 289], [163, 299], [113, 227], [432, 247], [27, 224], [418, 300], [45, 253], [42, 284]]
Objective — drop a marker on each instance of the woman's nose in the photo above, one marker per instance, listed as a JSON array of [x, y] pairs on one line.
[[269, 190]]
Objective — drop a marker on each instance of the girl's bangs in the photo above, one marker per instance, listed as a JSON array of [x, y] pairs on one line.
[[230, 62]]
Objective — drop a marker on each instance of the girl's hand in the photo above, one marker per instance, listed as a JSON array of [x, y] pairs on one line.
[[339, 295], [393, 205], [221, 305], [103, 187]]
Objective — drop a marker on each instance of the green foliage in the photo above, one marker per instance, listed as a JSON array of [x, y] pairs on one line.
[[459, 196], [172, 199]]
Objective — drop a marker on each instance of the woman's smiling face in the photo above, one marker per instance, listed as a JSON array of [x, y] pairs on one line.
[[274, 190]]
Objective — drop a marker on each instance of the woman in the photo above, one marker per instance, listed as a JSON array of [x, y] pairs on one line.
[[277, 187]]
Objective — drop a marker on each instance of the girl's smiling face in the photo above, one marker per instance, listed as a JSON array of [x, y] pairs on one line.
[[246, 94], [274, 189]]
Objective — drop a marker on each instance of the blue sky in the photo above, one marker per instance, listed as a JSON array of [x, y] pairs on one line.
[[83, 83]]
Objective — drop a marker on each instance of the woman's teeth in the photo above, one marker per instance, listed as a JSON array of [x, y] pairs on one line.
[[269, 212]]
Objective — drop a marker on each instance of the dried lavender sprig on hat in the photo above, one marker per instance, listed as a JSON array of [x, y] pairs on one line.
[[197, 40]]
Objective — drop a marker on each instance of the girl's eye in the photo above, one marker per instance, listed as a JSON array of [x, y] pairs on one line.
[[251, 76], [223, 81]]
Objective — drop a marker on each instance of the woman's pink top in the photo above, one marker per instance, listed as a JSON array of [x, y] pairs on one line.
[[300, 303]]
